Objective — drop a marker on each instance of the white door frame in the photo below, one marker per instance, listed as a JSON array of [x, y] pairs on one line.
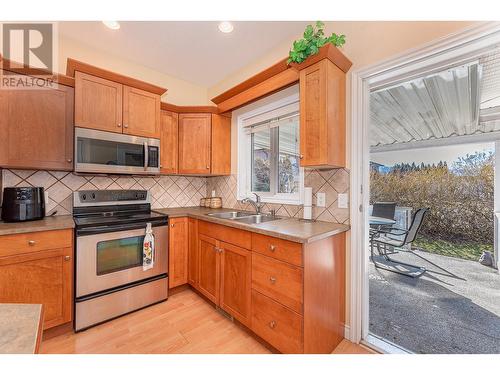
[[462, 46]]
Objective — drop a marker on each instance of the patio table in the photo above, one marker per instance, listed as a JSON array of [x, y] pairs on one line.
[[375, 220]]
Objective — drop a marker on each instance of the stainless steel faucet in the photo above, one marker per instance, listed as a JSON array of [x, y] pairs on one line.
[[257, 205]]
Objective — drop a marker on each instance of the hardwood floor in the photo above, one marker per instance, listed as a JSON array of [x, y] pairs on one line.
[[185, 323]]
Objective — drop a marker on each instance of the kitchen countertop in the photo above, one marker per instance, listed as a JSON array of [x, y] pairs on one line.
[[47, 223], [290, 229], [20, 328]]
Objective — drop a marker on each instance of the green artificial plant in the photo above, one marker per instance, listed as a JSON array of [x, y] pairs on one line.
[[314, 39]]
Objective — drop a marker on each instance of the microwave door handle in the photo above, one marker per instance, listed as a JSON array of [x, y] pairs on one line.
[[146, 156]]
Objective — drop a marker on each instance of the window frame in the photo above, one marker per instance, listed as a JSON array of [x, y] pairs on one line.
[[244, 180]]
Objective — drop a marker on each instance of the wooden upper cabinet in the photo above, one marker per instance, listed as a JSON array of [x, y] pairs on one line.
[[195, 143], [141, 113], [178, 252], [169, 139], [322, 116], [221, 145], [236, 281], [29, 116], [98, 103]]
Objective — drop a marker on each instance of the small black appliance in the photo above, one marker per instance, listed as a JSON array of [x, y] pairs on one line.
[[23, 203]]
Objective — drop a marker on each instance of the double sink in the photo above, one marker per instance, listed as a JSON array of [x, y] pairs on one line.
[[244, 217]]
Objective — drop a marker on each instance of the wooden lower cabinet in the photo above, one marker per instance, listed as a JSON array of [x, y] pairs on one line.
[[193, 253], [291, 295], [178, 252], [278, 325], [39, 273], [236, 280], [209, 264]]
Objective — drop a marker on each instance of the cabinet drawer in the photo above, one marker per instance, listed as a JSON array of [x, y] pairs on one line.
[[276, 324], [230, 235], [286, 251], [278, 280], [14, 244]]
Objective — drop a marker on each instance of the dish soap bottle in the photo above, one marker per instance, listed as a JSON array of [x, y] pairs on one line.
[[148, 249]]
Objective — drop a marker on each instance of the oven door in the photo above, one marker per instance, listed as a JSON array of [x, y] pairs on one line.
[[104, 152], [108, 260]]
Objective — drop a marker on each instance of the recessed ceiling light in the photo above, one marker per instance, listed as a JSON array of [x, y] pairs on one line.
[[113, 25], [226, 27]]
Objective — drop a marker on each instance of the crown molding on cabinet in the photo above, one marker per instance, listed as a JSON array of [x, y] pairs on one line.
[[16, 67], [75, 65]]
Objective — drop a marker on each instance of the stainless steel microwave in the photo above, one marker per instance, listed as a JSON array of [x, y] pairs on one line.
[[105, 152]]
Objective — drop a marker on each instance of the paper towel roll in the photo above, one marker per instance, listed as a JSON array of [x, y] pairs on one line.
[[307, 212], [308, 193]]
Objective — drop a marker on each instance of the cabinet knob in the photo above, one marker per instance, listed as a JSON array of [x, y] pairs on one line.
[[301, 156], [31, 242], [272, 248], [125, 125], [172, 225], [119, 125], [67, 258], [272, 279], [69, 160], [208, 167], [272, 324]]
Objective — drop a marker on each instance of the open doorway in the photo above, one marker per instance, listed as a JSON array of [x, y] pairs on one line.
[[429, 158]]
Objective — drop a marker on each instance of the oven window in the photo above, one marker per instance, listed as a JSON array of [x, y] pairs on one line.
[[98, 151], [119, 254]]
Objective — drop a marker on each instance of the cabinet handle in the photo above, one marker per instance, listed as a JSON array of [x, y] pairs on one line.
[[272, 324], [272, 279], [67, 258], [119, 125], [272, 248], [31, 242]]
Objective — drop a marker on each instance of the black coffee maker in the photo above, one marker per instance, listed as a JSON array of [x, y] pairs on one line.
[[23, 203]]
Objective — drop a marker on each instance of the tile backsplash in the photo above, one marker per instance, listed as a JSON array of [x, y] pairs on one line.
[[166, 191], [331, 182], [179, 191]]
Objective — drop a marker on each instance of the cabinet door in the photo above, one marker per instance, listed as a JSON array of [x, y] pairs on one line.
[[30, 116], [235, 279], [194, 143], [322, 116], [98, 103], [43, 277], [221, 145], [209, 268], [193, 253], [178, 252], [169, 142], [141, 113]]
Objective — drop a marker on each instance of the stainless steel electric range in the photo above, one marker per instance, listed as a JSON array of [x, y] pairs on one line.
[[110, 280]]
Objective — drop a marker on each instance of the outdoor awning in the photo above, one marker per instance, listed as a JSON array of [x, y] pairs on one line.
[[441, 108]]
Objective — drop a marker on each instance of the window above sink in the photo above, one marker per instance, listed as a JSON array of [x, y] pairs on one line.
[[268, 149]]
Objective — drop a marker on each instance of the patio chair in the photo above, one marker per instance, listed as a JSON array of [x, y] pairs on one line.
[[389, 241], [387, 210]]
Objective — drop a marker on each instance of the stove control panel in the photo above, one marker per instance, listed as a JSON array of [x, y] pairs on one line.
[[90, 197]]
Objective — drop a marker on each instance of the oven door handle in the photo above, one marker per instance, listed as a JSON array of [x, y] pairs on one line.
[[146, 156], [117, 228]]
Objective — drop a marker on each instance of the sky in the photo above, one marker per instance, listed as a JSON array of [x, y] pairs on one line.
[[429, 155]]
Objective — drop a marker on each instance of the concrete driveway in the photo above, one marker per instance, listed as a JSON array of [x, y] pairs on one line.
[[453, 308]]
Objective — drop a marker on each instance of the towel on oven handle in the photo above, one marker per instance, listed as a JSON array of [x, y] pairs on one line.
[[148, 249]]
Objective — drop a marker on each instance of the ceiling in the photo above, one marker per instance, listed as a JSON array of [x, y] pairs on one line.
[[196, 52], [455, 102]]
